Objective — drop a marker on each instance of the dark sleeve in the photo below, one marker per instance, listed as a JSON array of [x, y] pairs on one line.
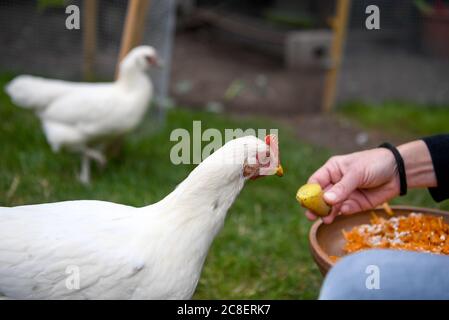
[[439, 151]]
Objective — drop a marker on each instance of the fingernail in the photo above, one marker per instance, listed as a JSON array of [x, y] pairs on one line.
[[345, 209], [330, 196]]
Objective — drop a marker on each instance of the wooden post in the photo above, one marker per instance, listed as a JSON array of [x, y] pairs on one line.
[[90, 8], [133, 28], [131, 37], [339, 26]]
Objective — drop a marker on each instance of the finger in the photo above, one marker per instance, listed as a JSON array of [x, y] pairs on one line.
[[334, 213], [321, 176], [329, 219], [350, 206], [362, 200], [310, 215], [342, 189]]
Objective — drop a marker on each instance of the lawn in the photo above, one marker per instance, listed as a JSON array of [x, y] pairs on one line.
[[262, 252], [400, 117]]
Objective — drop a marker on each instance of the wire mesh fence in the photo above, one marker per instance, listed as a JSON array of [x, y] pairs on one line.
[[34, 39], [399, 61]]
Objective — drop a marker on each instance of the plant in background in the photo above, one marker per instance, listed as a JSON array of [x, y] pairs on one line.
[[439, 7], [299, 20], [43, 5], [434, 27]]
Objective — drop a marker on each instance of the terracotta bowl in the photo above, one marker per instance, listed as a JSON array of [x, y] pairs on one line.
[[327, 239]]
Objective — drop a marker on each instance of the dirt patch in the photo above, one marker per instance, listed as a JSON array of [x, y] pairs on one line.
[[209, 70], [339, 134]]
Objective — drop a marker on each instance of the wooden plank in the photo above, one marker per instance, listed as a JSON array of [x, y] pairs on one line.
[[242, 26], [133, 27], [89, 27], [339, 25], [132, 36]]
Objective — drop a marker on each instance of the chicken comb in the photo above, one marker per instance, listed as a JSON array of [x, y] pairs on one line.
[[272, 141], [268, 139]]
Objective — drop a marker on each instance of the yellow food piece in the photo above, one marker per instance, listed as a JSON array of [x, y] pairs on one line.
[[310, 196], [388, 209]]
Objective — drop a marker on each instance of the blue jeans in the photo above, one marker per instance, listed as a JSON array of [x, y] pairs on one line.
[[388, 274]]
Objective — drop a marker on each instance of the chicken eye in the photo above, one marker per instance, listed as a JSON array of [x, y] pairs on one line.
[[264, 158], [150, 59]]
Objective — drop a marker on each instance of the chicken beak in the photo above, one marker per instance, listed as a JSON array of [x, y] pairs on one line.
[[279, 171], [159, 63], [155, 61]]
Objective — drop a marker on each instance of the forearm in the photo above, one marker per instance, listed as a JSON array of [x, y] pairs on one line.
[[427, 165], [439, 150], [418, 163]]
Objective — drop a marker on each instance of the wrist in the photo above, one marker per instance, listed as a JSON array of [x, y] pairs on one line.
[[399, 167], [418, 164], [394, 183]]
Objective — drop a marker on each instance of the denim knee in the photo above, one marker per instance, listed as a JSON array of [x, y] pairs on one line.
[[388, 274]]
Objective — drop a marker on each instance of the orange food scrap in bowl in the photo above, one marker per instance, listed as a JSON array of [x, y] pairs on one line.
[[334, 259], [416, 232], [388, 209]]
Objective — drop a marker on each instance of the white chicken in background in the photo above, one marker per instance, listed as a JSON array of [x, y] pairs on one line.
[[103, 250], [83, 117]]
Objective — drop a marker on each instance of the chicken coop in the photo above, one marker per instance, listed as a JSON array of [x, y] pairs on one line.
[[38, 42]]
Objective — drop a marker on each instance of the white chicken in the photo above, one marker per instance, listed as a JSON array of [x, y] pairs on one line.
[[83, 117], [122, 252]]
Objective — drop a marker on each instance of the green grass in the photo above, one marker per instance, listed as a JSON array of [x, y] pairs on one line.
[[262, 252], [400, 117], [289, 19]]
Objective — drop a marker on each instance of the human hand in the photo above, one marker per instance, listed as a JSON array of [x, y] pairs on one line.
[[357, 181], [363, 180]]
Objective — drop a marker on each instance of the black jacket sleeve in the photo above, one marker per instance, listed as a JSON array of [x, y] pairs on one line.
[[439, 151]]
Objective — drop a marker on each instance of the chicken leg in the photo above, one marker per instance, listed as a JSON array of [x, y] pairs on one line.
[[86, 156], [84, 176]]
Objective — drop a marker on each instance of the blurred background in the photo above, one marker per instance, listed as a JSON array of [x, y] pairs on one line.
[[309, 68]]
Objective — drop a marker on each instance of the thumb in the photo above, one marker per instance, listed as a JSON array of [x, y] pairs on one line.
[[342, 189]]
